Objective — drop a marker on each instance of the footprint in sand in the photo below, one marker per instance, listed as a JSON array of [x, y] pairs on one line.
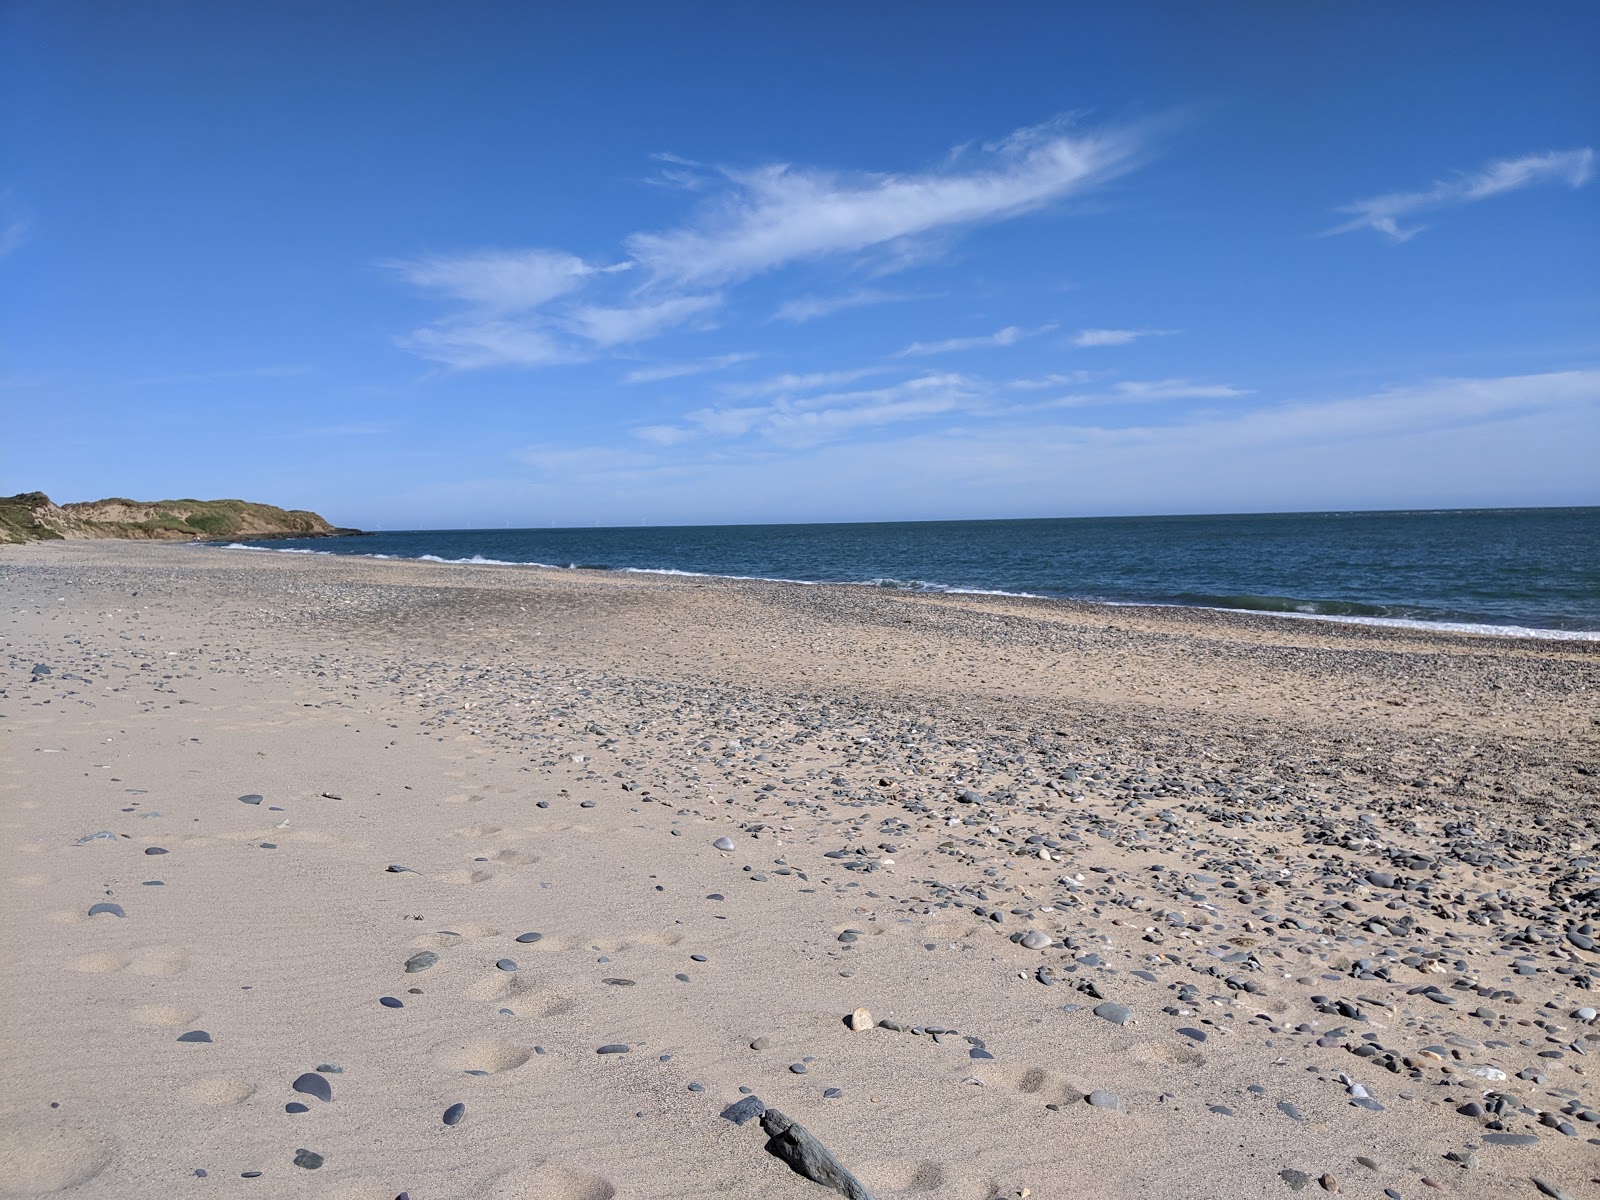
[[490, 1056], [1153, 1054], [43, 1154], [165, 1016], [551, 1181], [217, 1091], [152, 960], [1046, 1084]]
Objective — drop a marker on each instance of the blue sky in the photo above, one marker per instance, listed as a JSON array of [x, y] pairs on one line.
[[418, 265]]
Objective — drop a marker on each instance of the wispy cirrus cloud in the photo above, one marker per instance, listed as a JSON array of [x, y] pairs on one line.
[[678, 370], [1086, 339], [810, 413], [1574, 168], [1009, 336], [1013, 463], [500, 281], [782, 213], [809, 308], [539, 306], [607, 326]]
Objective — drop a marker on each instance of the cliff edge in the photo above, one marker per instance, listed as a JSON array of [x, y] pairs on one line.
[[32, 516]]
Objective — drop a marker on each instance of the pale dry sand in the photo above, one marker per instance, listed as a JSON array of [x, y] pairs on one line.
[[557, 752]]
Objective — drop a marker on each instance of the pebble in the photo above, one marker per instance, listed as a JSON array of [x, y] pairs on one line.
[[1511, 1139], [1103, 1099], [1197, 1035], [420, 961], [507, 964], [453, 1114], [294, 1106], [1036, 940], [741, 1112], [614, 1048], [309, 1159], [154, 850], [723, 843], [1117, 1014], [798, 1068], [251, 798], [314, 1085], [105, 906], [390, 1002], [860, 1019], [1290, 1111], [529, 937], [195, 1035]]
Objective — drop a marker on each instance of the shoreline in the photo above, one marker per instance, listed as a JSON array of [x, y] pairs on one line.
[[1251, 902], [1470, 628]]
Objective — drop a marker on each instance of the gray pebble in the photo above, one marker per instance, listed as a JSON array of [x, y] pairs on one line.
[[195, 1035], [314, 1085], [309, 1159], [453, 1114], [506, 964], [106, 907], [1117, 1014], [252, 798], [1104, 1099], [614, 1048], [529, 937], [420, 961]]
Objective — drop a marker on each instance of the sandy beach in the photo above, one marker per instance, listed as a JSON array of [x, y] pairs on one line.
[[301, 853]]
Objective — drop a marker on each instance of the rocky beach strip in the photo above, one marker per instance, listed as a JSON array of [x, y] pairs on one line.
[[993, 897]]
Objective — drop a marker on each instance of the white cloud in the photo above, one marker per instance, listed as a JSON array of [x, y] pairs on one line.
[[1384, 213], [678, 370], [1058, 379], [1009, 336], [809, 308], [500, 281], [469, 345], [809, 382], [1442, 443], [782, 213], [611, 326], [1177, 389], [522, 307], [1087, 338], [811, 419]]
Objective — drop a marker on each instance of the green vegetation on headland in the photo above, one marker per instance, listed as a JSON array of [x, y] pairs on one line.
[[32, 517]]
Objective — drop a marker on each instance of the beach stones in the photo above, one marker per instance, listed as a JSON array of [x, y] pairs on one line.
[[529, 937], [107, 908], [1035, 939], [314, 1085], [796, 1145], [250, 798], [506, 964], [614, 1048], [859, 1020], [1100, 1098], [742, 1111], [309, 1159], [1117, 1014], [453, 1114], [390, 1002], [154, 850], [195, 1036], [420, 961], [723, 843]]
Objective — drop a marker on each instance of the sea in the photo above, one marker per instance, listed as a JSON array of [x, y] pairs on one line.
[[1521, 571]]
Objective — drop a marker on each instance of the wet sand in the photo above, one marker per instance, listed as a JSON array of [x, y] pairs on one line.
[[1308, 907]]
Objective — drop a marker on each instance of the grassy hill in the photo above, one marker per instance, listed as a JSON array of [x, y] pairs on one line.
[[31, 516]]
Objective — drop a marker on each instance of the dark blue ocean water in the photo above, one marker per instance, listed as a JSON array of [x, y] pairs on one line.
[[1531, 568]]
